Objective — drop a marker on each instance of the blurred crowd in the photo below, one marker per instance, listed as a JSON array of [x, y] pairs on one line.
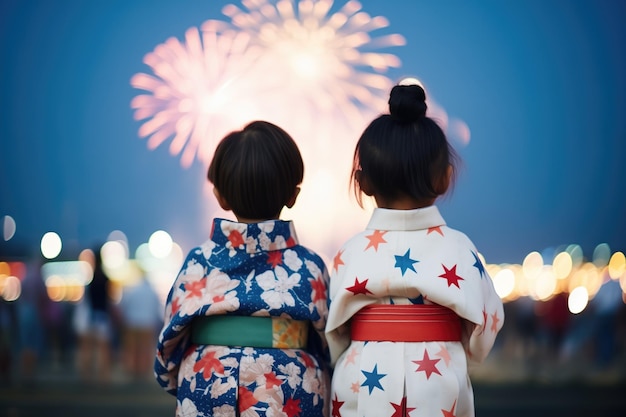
[[100, 334], [91, 338]]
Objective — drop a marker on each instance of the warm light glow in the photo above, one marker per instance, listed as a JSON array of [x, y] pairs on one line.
[[545, 284], [68, 271], [504, 282], [532, 265], [562, 265], [160, 244], [8, 227], [577, 300], [10, 287], [160, 272], [576, 252], [51, 245], [5, 269], [617, 265], [55, 287], [113, 254]]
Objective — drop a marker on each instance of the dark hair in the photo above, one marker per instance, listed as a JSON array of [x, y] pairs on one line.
[[404, 153], [257, 170]]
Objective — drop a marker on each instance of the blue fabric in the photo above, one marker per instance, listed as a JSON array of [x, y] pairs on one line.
[[246, 269]]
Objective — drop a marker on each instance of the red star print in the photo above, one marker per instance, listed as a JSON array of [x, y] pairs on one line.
[[319, 289], [359, 287], [429, 366], [351, 357], [494, 322], [235, 238], [194, 288], [336, 406], [337, 260], [208, 364], [175, 305], [306, 360], [292, 407], [450, 412], [271, 380], [444, 354], [401, 410], [435, 229], [451, 276], [376, 239], [218, 298], [246, 399], [275, 258]]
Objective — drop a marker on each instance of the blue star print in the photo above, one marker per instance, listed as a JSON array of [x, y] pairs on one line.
[[405, 262], [372, 379], [479, 265]]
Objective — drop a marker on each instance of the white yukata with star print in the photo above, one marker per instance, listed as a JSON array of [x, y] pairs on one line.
[[409, 257]]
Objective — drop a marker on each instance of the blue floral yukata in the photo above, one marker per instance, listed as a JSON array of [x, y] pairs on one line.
[[256, 269]]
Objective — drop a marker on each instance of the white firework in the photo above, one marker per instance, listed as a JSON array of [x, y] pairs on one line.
[[327, 59], [282, 61]]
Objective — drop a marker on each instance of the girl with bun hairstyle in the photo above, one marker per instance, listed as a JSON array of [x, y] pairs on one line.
[[244, 319], [412, 306]]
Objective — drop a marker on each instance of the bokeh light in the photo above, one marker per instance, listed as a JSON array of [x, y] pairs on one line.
[[8, 227], [577, 300], [160, 244], [562, 265], [601, 255], [617, 265], [51, 245], [114, 254], [532, 265], [504, 282]]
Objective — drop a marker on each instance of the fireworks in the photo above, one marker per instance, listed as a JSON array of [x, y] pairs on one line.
[[293, 63]]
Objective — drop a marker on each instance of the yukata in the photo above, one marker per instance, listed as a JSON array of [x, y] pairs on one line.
[[256, 269], [409, 257]]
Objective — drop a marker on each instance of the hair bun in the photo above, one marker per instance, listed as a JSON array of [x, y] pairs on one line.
[[407, 103]]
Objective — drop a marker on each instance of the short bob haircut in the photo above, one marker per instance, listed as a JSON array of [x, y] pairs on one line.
[[257, 170], [404, 153]]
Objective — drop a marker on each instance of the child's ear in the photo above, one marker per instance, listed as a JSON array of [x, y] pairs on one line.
[[221, 201], [292, 200], [364, 184]]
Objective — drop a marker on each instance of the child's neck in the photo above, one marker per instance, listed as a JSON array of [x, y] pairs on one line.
[[249, 221], [403, 203]]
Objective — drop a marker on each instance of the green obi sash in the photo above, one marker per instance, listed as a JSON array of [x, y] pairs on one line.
[[250, 331]]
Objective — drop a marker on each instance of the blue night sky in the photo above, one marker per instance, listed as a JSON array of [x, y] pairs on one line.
[[540, 83]]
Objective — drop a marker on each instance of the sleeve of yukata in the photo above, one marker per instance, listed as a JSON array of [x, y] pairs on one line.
[[174, 337], [338, 327], [484, 312], [319, 299]]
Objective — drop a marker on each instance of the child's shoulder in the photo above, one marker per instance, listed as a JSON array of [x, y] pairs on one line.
[[305, 253]]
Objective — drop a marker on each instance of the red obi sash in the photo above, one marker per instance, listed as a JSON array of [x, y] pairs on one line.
[[406, 323]]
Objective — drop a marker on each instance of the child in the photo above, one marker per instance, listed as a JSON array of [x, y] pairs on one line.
[[410, 300], [244, 320]]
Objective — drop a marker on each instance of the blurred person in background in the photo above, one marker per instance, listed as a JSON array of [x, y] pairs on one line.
[[8, 327], [593, 335], [31, 306], [141, 315], [95, 343]]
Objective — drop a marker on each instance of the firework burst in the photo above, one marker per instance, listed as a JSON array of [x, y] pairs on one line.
[[276, 60]]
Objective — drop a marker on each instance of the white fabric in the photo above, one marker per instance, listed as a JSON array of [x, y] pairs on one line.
[[403, 257]]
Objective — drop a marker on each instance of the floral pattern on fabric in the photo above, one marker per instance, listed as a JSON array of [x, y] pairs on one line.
[[256, 269]]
